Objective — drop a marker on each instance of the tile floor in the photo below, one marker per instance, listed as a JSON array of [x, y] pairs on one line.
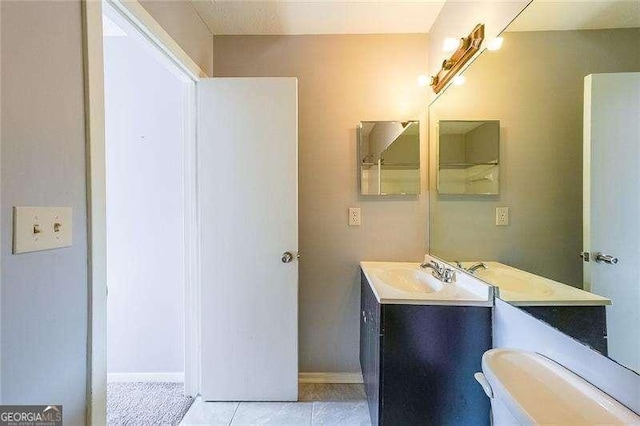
[[319, 404]]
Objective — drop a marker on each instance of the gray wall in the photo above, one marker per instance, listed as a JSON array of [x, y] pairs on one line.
[[482, 143], [44, 294], [534, 85], [43, 318], [405, 149], [342, 80], [453, 148]]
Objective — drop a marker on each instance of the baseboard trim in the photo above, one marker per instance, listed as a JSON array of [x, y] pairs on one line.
[[179, 377], [330, 378], [145, 377]]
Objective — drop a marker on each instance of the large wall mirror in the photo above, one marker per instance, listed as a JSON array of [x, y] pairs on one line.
[[561, 239]]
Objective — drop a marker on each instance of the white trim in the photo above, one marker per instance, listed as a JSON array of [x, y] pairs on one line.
[[142, 20], [330, 378], [96, 214], [192, 364], [145, 377], [96, 199], [586, 181]]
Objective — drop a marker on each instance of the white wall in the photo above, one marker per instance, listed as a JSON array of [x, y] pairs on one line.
[[144, 116]]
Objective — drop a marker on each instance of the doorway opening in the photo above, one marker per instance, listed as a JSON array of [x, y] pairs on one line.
[[147, 101]]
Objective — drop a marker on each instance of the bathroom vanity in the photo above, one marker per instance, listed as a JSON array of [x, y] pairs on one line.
[[573, 311], [421, 341]]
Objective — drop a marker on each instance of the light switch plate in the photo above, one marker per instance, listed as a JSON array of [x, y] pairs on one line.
[[41, 228]]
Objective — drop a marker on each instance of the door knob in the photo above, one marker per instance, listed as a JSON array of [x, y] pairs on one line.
[[287, 257], [606, 258]]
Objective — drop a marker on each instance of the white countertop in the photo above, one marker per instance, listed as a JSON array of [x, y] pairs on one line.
[[521, 288], [407, 283]]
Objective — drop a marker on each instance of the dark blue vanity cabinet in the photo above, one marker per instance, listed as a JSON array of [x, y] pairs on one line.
[[418, 362], [588, 324]]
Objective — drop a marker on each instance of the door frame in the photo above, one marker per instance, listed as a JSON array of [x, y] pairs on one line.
[[96, 198]]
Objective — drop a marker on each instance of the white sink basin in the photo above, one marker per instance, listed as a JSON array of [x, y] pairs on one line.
[[523, 288], [409, 279], [513, 281], [408, 283]]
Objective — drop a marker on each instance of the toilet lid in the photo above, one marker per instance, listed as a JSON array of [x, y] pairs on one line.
[[538, 390]]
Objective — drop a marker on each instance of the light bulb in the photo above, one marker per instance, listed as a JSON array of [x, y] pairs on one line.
[[495, 44], [450, 44], [423, 80], [459, 80]]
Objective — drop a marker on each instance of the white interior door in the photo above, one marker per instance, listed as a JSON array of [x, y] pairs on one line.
[[612, 205], [248, 195]]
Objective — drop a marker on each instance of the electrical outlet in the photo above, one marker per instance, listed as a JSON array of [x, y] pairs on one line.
[[502, 216], [354, 216]]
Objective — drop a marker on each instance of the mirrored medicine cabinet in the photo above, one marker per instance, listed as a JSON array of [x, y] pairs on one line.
[[389, 158], [468, 157]]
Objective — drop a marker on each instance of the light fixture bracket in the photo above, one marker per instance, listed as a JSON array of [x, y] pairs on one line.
[[468, 47]]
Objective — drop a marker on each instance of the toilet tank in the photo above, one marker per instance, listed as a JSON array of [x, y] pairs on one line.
[[528, 388]]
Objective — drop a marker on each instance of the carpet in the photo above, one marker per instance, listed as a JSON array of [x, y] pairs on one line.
[[146, 403]]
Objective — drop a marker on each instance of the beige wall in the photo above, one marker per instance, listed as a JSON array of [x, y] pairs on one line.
[[534, 86], [180, 19], [342, 80]]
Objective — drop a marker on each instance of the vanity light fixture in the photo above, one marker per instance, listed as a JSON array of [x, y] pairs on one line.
[[495, 44], [468, 46]]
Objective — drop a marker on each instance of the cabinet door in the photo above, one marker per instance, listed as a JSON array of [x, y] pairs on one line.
[[375, 347], [370, 347], [364, 331]]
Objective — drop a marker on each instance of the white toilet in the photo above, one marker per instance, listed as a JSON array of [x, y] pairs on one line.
[[527, 388]]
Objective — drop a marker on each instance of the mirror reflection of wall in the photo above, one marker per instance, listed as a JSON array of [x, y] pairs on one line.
[[468, 153], [535, 86], [389, 157]]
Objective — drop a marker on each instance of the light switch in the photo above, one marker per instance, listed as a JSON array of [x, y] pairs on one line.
[[41, 228]]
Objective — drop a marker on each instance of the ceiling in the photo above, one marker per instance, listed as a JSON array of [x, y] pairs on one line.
[[239, 17], [546, 15]]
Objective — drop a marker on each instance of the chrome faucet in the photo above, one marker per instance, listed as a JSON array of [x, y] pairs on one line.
[[473, 268], [441, 272]]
